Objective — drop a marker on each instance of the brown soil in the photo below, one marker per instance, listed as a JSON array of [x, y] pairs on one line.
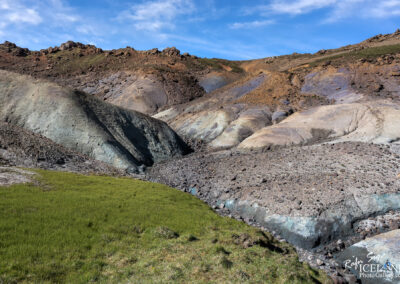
[[282, 91], [80, 66]]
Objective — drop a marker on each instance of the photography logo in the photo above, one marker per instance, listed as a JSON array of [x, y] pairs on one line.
[[372, 268]]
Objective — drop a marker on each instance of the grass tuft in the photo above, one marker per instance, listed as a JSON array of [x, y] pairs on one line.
[[192, 238], [226, 263], [222, 250], [165, 233]]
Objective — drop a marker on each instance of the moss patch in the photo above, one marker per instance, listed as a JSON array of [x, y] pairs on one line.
[[220, 64]]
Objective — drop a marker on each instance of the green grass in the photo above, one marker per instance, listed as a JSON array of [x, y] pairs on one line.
[[378, 51], [367, 53], [71, 62], [78, 229], [218, 64]]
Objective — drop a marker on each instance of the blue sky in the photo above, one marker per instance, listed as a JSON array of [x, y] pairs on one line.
[[232, 29]]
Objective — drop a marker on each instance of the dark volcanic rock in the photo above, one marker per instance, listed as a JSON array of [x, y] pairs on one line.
[[22, 148], [171, 51], [70, 45]]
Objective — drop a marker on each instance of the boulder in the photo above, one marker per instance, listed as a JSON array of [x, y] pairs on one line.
[[153, 51], [71, 44], [9, 44], [376, 259], [53, 50], [171, 51], [22, 52]]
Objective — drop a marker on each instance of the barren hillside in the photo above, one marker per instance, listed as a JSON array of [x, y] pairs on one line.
[[305, 146]]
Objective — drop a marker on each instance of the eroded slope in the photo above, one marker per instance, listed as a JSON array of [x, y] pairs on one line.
[[125, 139]]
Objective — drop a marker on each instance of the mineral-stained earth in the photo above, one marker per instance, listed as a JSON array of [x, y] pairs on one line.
[[305, 146]]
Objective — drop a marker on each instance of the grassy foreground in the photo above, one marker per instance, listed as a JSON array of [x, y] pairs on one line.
[[78, 229]]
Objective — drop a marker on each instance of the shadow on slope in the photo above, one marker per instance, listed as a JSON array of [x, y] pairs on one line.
[[122, 138]]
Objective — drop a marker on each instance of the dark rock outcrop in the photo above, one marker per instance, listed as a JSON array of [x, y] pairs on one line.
[[14, 49], [22, 148], [171, 51]]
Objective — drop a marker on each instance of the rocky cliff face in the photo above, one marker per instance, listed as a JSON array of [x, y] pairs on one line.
[[125, 139]]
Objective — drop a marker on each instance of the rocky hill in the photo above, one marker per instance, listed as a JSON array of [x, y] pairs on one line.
[[122, 138], [305, 146], [215, 102], [146, 81], [275, 88]]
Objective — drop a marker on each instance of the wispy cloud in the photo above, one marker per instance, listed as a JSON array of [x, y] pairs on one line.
[[298, 7], [157, 15], [366, 9], [236, 49], [386, 8], [231, 28], [27, 21], [12, 12], [19, 13], [251, 25], [338, 9], [60, 12]]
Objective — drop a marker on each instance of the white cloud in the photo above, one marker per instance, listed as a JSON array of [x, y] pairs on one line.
[[16, 13], [251, 25], [338, 9], [19, 13], [366, 9], [29, 16], [65, 17], [298, 7], [87, 30], [386, 8], [157, 15], [32, 21], [4, 6]]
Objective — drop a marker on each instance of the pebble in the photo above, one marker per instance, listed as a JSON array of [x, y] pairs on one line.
[[340, 244]]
